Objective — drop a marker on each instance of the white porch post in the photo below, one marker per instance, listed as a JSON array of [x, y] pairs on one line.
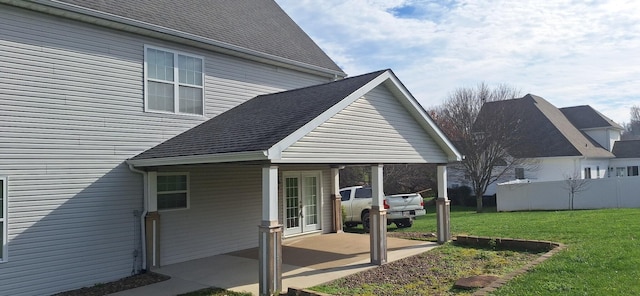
[[337, 199], [443, 206], [378, 218], [270, 235]]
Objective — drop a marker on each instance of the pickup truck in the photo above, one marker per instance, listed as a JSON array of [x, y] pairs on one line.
[[401, 208]]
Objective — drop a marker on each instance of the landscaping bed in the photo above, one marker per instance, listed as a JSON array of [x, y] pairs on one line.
[[127, 283]]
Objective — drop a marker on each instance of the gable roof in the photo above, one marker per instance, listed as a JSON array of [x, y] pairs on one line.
[[627, 149], [253, 27], [585, 117], [264, 126], [546, 131]]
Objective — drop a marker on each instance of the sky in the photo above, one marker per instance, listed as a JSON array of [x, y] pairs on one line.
[[569, 52]]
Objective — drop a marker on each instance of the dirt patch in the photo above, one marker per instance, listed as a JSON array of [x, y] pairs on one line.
[[127, 283]]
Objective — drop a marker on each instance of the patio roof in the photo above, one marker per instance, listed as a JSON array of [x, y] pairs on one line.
[[263, 127]]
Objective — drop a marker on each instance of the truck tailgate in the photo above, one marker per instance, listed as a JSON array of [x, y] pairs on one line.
[[404, 202]]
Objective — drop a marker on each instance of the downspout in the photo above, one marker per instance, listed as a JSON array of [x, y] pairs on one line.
[[143, 215]]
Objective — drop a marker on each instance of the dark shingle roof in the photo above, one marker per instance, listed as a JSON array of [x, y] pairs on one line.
[[545, 131], [585, 117], [259, 25], [627, 149], [259, 123]]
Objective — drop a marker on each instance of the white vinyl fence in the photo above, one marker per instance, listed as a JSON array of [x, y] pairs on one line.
[[620, 192]]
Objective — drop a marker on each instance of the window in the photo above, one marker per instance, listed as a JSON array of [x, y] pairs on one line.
[[520, 173], [345, 195], [173, 191], [174, 82], [3, 219], [587, 173], [620, 172], [363, 193], [632, 170], [598, 172]]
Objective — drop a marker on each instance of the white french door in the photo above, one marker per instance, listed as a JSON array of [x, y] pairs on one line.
[[301, 202]]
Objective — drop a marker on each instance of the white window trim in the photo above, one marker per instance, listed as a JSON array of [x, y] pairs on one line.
[[176, 82], [4, 239], [188, 191]]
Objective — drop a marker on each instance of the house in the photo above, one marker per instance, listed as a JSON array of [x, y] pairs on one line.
[[561, 143], [138, 134]]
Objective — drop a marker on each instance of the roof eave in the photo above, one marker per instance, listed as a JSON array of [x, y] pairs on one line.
[[200, 159], [116, 22]]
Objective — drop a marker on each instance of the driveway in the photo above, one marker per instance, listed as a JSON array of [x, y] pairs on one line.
[[306, 261]]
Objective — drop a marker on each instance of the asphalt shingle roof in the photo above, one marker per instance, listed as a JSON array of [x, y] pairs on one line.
[[259, 123], [259, 25], [585, 117], [546, 131], [627, 149]]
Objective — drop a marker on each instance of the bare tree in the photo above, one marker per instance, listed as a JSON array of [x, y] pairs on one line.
[[485, 142], [632, 129], [398, 178], [575, 184]]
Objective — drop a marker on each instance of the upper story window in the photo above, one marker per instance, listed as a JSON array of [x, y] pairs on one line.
[[3, 219], [174, 82], [520, 173]]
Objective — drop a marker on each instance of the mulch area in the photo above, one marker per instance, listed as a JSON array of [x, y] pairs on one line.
[[127, 283]]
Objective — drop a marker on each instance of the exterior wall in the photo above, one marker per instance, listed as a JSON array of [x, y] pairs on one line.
[[374, 129], [71, 112], [621, 163], [223, 216], [601, 136], [225, 211], [598, 168], [555, 195], [554, 168]]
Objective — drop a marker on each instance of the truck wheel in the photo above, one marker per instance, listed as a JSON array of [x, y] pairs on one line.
[[365, 221], [404, 223]]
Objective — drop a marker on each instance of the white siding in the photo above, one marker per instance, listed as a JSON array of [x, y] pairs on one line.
[[374, 129], [71, 112]]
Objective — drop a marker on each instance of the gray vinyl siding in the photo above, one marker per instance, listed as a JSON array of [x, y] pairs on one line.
[[223, 216], [374, 129], [225, 211], [71, 113]]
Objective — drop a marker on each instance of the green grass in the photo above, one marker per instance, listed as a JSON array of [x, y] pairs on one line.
[[214, 292], [602, 258]]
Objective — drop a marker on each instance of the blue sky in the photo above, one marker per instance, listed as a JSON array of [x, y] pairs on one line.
[[568, 52]]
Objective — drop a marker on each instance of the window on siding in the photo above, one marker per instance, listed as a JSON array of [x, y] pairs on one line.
[[174, 82], [632, 170], [3, 219], [173, 191], [587, 173], [520, 173]]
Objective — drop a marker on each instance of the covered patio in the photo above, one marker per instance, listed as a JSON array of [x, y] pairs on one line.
[[307, 261], [274, 161]]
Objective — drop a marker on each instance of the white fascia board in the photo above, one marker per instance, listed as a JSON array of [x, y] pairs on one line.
[[412, 105], [200, 159], [275, 152], [113, 21]]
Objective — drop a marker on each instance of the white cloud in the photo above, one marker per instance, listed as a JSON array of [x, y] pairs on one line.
[[569, 52]]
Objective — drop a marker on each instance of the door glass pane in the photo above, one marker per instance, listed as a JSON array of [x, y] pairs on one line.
[[311, 200], [292, 201]]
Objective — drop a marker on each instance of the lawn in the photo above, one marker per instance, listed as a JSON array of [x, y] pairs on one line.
[[602, 258]]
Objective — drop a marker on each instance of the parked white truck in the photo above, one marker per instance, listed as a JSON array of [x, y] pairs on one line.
[[401, 208]]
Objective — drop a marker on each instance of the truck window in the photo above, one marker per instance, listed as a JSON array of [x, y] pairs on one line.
[[345, 195], [363, 193]]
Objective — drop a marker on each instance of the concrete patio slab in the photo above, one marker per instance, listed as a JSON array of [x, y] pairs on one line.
[[307, 261]]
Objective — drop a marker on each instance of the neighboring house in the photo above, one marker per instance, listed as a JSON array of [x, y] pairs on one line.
[[559, 143], [627, 159], [137, 134]]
